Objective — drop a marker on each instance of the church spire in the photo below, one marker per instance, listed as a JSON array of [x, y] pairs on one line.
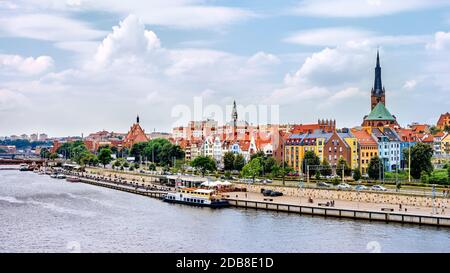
[[377, 86], [234, 114], [378, 94]]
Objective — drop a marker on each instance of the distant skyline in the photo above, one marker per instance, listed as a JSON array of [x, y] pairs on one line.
[[79, 66]]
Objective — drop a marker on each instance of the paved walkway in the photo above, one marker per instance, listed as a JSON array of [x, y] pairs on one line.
[[341, 204]]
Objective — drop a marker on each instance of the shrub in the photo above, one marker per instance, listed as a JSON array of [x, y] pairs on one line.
[[424, 177]]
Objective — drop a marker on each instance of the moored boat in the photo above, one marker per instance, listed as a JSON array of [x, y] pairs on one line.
[[24, 167], [60, 176], [196, 197], [73, 179]]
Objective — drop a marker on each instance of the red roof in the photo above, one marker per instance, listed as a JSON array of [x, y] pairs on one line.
[[364, 138], [304, 128]]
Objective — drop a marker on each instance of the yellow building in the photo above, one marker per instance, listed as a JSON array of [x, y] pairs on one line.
[[353, 143], [298, 144], [368, 148], [445, 145]]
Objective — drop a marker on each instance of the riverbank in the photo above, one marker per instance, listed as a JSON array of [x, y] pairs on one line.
[[307, 202]]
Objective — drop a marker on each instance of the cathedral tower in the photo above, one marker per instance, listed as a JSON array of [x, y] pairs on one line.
[[378, 92]]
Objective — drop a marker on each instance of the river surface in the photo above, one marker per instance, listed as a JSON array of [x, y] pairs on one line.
[[41, 214]]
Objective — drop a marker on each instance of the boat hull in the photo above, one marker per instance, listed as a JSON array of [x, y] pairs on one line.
[[216, 204]]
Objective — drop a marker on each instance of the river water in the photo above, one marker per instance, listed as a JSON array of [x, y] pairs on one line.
[[41, 214]]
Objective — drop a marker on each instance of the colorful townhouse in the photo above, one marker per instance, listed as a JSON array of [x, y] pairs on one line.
[[388, 147], [330, 146], [367, 149], [409, 137], [445, 145]]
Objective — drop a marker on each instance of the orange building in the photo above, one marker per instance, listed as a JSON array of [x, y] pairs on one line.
[[367, 148], [135, 135], [327, 126], [444, 120]]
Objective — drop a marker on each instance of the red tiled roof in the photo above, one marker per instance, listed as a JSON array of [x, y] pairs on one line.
[[364, 138]]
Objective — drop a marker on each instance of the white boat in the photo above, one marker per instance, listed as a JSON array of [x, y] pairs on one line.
[[24, 167], [196, 197]]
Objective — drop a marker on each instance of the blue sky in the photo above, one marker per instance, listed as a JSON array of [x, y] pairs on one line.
[[76, 66]]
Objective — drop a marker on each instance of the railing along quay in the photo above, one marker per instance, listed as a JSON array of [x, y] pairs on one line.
[[149, 193], [344, 213]]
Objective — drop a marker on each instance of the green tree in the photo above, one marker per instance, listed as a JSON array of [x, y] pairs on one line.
[[356, 174], [326, 168], [204, 164], [434, 130], [448, 173], [228, 161], [45, 153], [317, 175], [152, 167], [53, 156], [117, 164], [342, 163], [375, 165], [310, 159], [259, 154], [104, 156], [424, 176], [447, 128], [89, 159], [239, 162], [268, 164], [161, 151], [421, 155], [252, 168], [137, 150]]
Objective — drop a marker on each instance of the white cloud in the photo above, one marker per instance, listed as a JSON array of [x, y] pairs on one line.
[[362, 8], [441, 41], [29, 66], [130, 38], [328, 36], [10, 100], [351, 37], [410, 84], [331, 66], [47, 27], [263, 58], [171, 13]]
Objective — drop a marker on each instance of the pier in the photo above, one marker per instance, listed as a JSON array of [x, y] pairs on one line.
[[405, 218], [148, 193]]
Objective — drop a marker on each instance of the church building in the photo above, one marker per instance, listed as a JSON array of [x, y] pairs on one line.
[[379, 115], [135, 135]]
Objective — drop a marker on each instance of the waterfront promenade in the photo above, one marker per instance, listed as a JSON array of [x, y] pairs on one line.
[[382, 211]]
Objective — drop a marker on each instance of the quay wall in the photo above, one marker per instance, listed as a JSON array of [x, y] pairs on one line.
[[344, 213], [370, 197]]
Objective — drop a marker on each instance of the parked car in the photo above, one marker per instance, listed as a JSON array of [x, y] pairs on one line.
[[267, 181], [276, 193], [271, 193], [323, 185], [266, 192], [344, 186], [378, 188], [361, 188]]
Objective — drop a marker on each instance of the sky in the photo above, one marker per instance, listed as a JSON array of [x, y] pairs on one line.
[[72, 67]]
